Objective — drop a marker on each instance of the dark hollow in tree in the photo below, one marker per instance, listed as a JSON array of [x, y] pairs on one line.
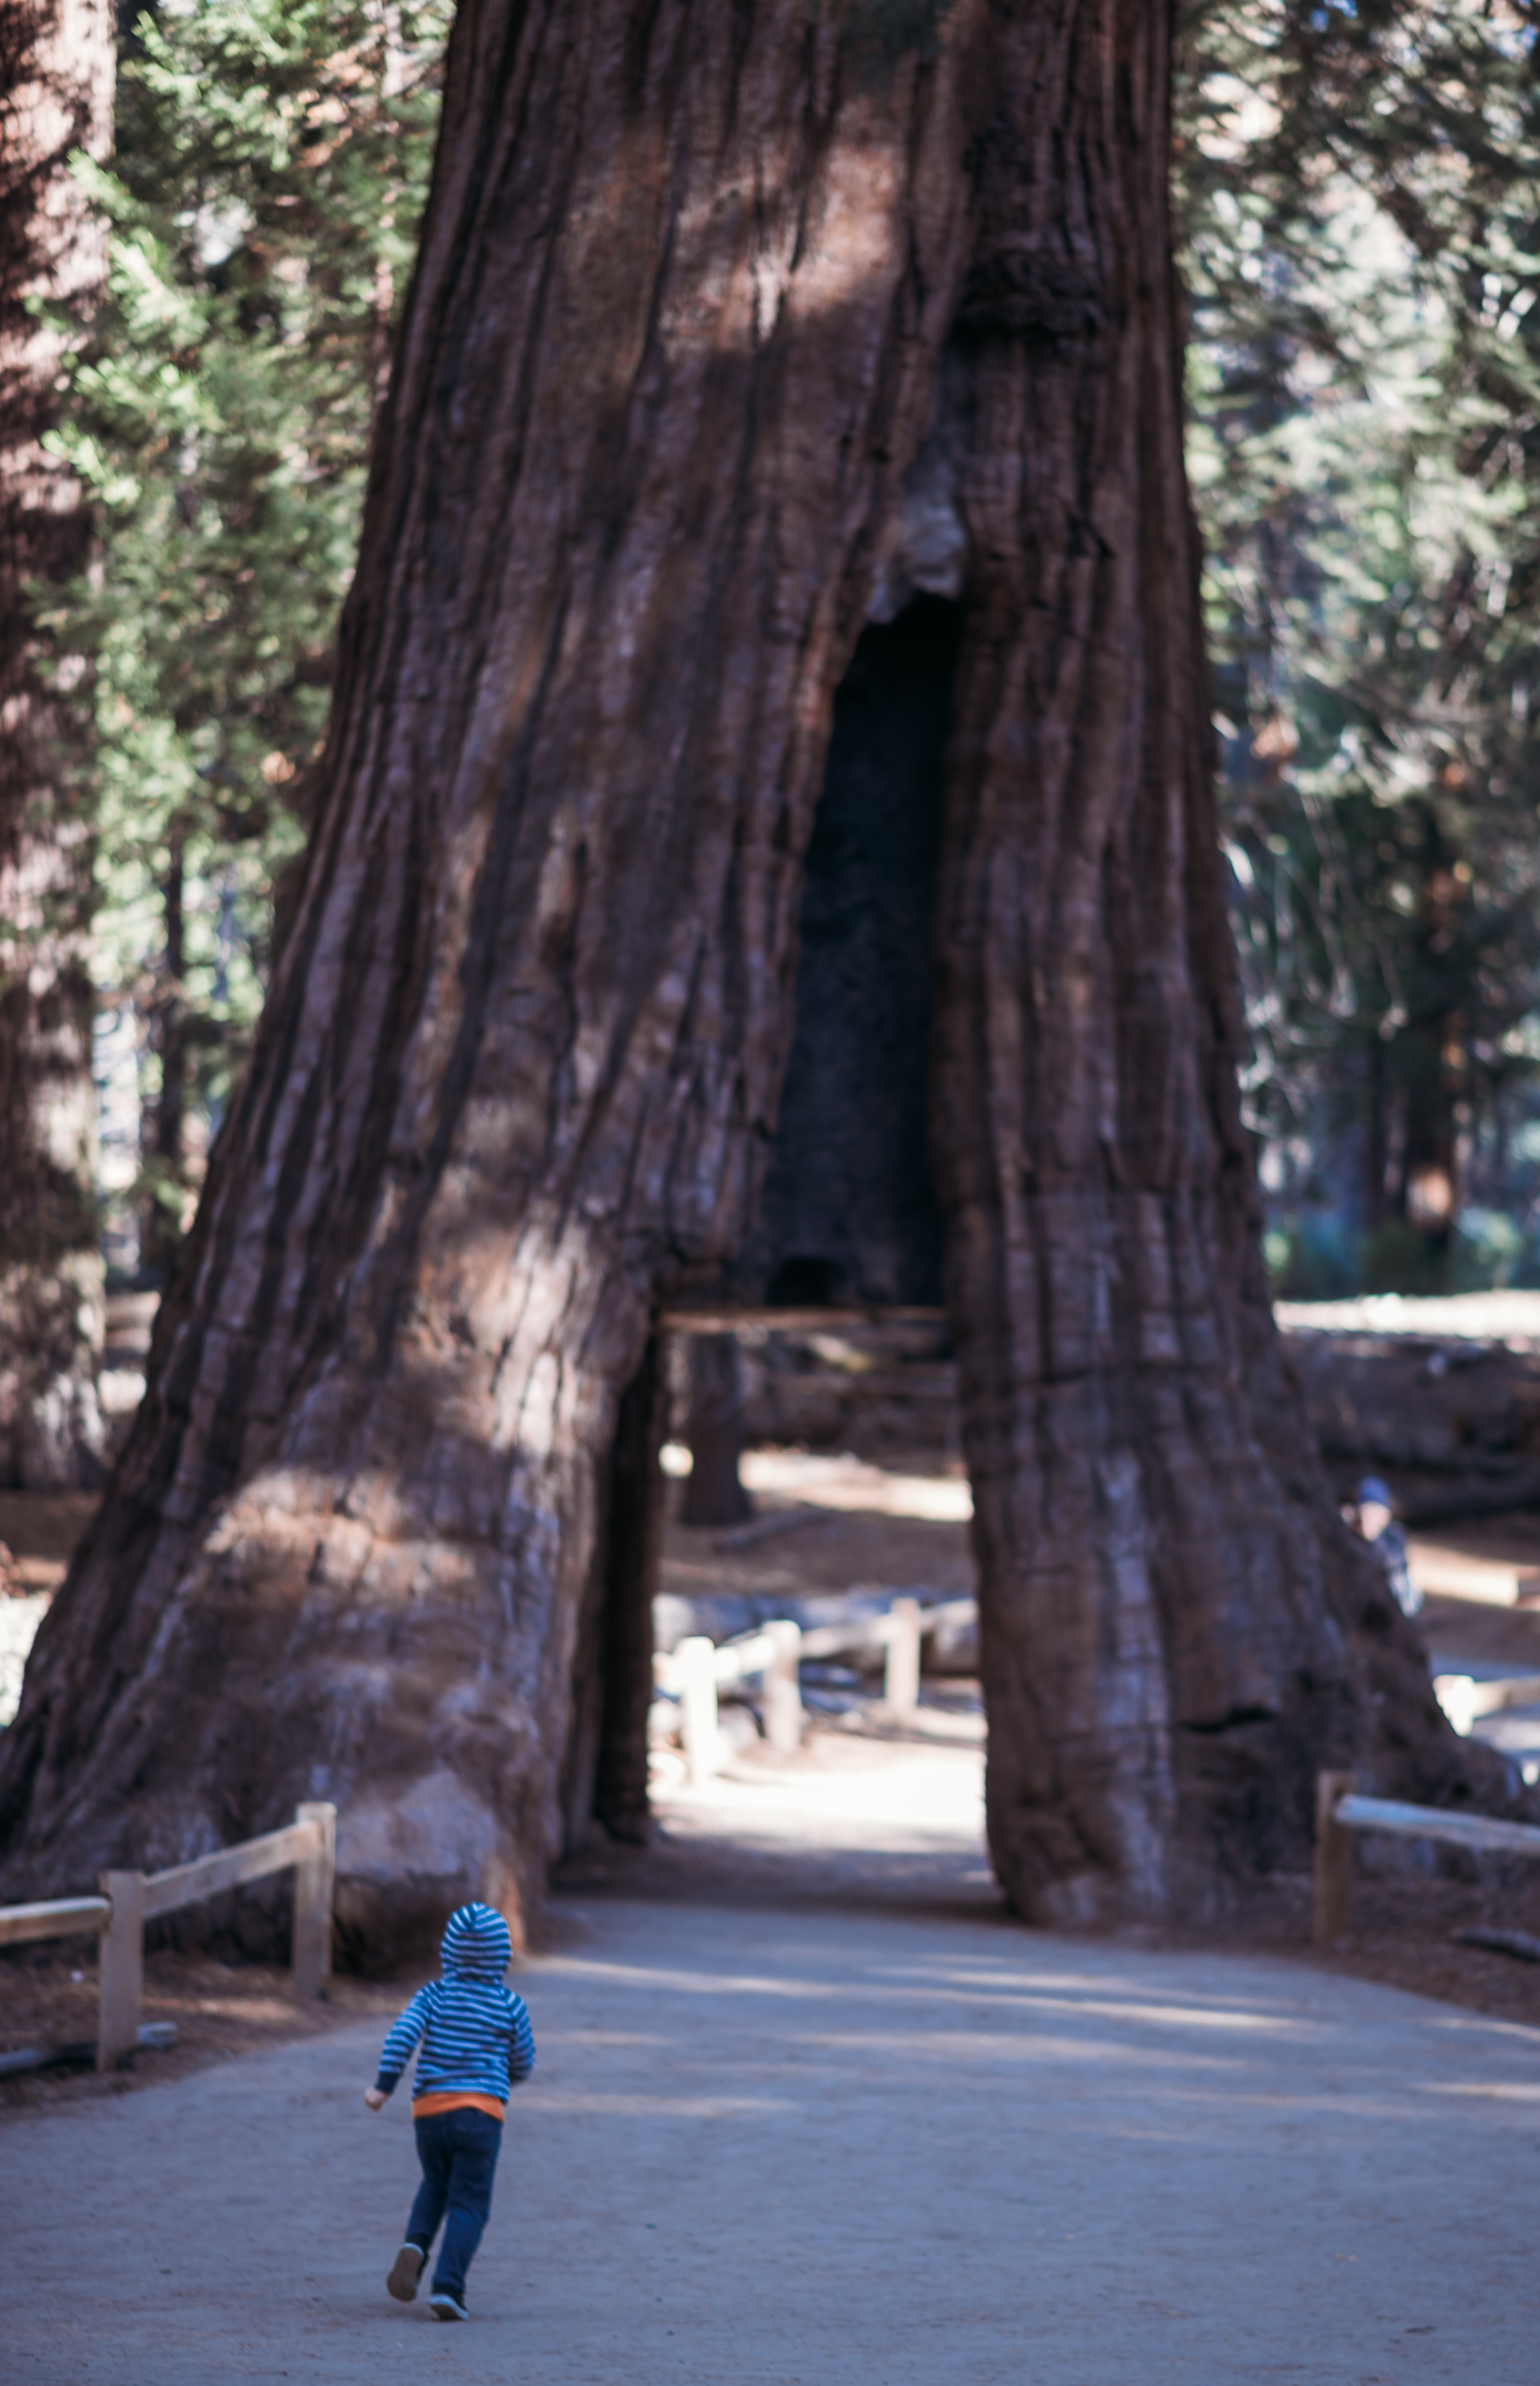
[[55, 98], [605, 1770], [848, 1212], [700, 291]]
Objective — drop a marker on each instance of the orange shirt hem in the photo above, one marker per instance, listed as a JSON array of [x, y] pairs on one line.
[[455, 2100]]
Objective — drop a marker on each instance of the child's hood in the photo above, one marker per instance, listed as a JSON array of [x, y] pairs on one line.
[[476, 1944]]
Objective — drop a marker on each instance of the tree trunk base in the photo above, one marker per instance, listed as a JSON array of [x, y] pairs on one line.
[[53, 1435]]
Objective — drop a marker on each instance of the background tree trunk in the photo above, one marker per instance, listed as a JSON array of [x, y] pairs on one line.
[[713, 1494], [165, 1150], [56, 97], [688, 283]]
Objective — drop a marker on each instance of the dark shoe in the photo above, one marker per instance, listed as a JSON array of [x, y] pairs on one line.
[[406, 2270], [446, 2304]]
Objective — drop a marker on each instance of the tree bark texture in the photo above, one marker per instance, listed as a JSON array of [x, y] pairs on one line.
[[702, 290], [1175, 1632], [55, 97]]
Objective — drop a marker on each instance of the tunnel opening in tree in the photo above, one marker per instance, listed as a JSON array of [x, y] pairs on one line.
[[848, 1212]]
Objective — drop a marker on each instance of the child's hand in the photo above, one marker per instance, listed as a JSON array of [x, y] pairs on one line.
[[374, 2098]]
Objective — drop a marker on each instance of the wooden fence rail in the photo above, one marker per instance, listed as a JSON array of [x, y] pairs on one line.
[[60, 1917], [129, 1900], [698, 1668], [1465, 1699], [1341, 1810]]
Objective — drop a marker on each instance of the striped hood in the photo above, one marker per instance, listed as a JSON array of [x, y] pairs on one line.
[[472, 2033], [476, 1944]]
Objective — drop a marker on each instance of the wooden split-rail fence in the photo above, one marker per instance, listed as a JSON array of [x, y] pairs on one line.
[[698, 1669], [1341, 1811], [127, 1900]]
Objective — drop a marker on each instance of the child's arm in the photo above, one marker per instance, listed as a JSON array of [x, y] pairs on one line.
[[520, 2040], [395, 2054]]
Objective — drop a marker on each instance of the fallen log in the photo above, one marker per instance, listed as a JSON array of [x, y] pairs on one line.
[[1487, 1495], [1466, 1410], [154, 2036], [1502, 1943]]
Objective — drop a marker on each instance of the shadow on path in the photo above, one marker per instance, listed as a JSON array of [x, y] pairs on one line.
[[856, 2139]]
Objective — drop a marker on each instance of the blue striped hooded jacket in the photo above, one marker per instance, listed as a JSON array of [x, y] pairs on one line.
[[475, 2032]]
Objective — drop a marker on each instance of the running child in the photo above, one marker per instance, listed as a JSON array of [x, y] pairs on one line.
[[476, 2043]]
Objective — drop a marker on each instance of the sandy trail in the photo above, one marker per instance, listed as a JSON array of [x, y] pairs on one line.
[[876, 2146]]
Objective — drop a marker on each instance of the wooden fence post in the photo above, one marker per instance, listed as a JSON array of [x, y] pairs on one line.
[[784, 1688], [314, 1879], [1333, 1858], [901, 1673], [698, 1697], [122, 1968]]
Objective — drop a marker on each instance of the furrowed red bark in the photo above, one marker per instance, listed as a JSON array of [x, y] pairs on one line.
[[55, 97], [683, 279], [698, 286], [1176, 1631]]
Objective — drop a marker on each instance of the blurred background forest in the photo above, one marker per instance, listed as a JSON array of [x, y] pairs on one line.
[[1360, 196]]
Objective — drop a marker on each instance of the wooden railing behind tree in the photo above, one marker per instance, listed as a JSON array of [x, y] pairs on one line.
[[695, 1671], [1340, 1811], [129, 1900]]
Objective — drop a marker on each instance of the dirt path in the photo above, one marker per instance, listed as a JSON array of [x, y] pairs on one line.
[[829, 2144], [809, 2109]]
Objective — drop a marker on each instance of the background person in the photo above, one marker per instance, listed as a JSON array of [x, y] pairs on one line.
[[1373, 1519]]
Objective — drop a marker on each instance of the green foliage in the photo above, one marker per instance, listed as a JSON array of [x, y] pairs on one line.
[[271, 166], [1361, 194]]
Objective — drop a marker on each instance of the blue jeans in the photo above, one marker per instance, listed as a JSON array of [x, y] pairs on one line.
[[458, 2153]]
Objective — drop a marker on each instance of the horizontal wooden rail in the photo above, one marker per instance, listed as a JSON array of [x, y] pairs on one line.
[[862, 1634], [1465, 1701], [60, 1917], [1486, 1832], [188, 1884], [1341, 1810], [865, 1632], [129, 1900]]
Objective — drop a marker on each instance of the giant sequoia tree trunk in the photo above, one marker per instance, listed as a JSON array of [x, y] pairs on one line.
[[699, 285], [55, 97]]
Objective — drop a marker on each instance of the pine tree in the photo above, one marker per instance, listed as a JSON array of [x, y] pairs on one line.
[[1363, 199], [270, 169], [55, 98]]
